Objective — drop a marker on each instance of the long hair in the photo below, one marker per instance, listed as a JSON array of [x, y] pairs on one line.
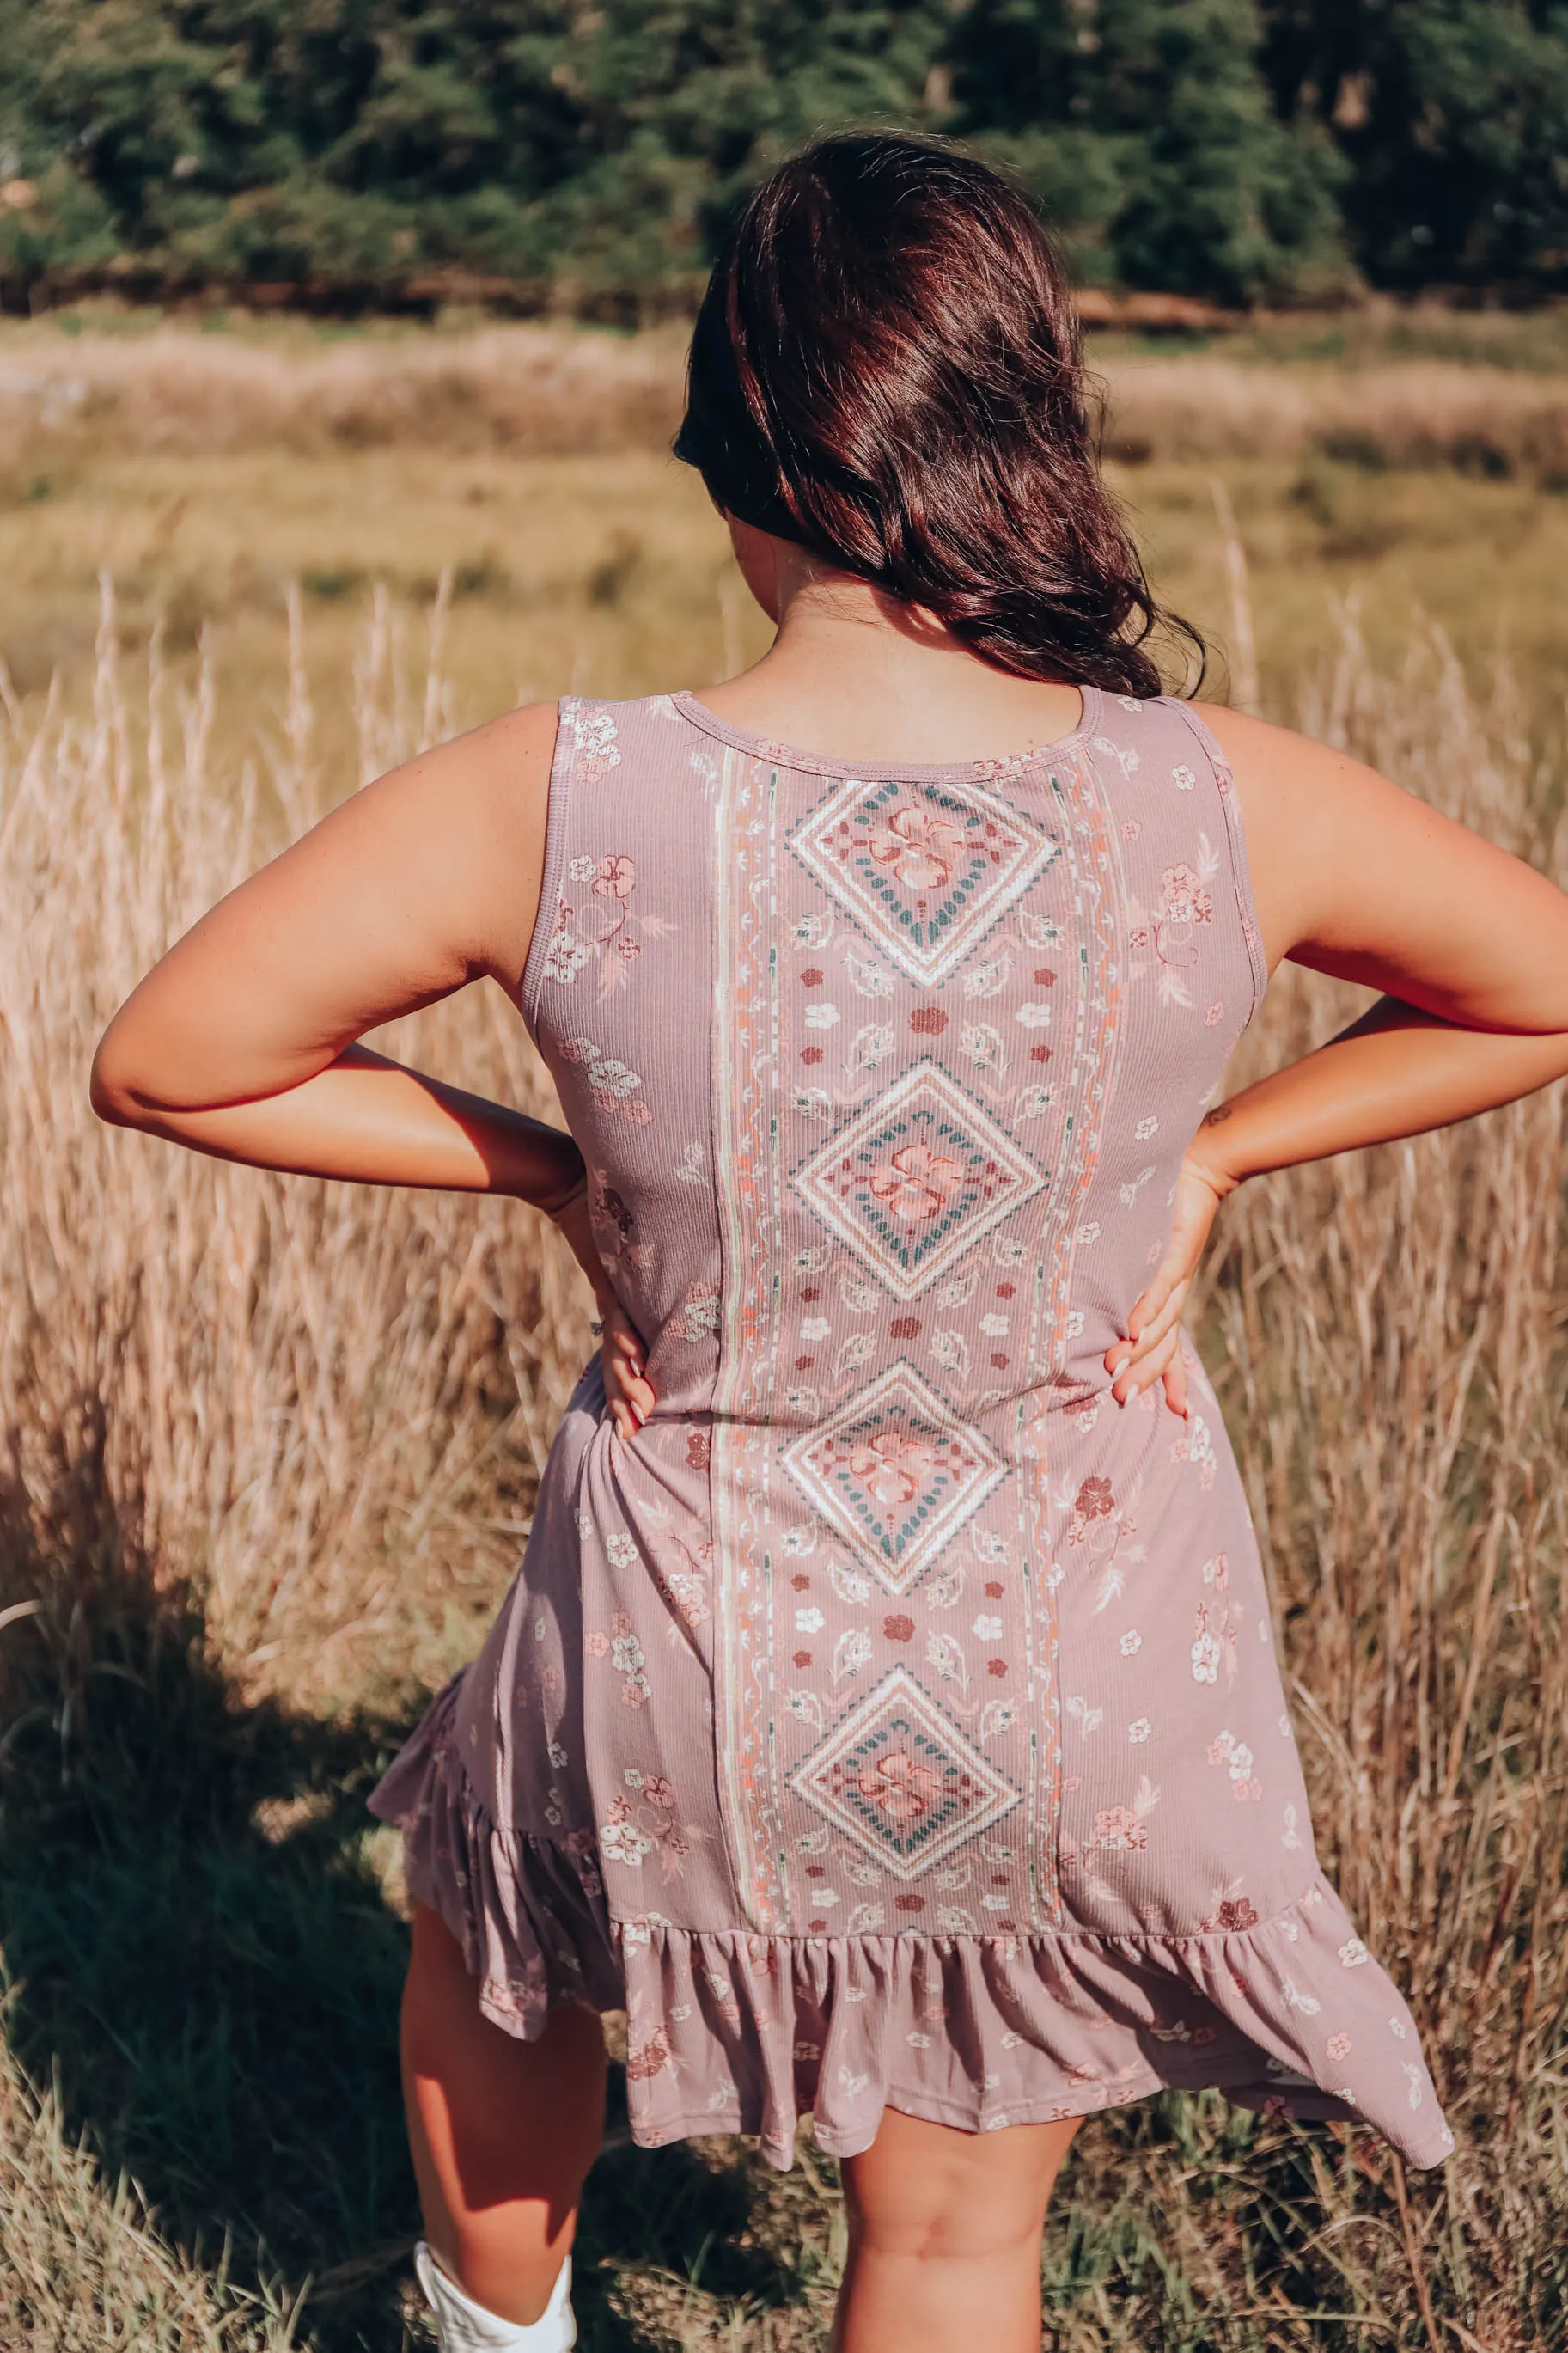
[[885, 369]]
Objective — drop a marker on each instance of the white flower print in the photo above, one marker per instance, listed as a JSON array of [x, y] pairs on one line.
[[987, 1628], [1033, 1101], [997, 1716], [565, 957], [593, 733], [851, 1653], [1184, 779], [622, 1550], [1206, 1659], [1138, 1729], [1352, 1953], [812, 930], [982, 1041], [583, 870], [626, 1654], [987, 980], [867, 978], [806, 1402], [1145, 1129], [813, 1102], [822, 1017], [632, 1777], [623, 1842], [809, 1622], [944, 1655], [993, 1327], [869, 1046], [917, 2040], [815, 1327], [1131, 1642], [1033, 1016]]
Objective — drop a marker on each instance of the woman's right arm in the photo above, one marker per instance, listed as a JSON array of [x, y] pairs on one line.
[[1353, 876]]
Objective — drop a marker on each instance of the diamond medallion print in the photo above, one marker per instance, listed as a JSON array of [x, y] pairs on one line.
[[921, 1175], [896, 1474], [926, 869], [901, 1781]]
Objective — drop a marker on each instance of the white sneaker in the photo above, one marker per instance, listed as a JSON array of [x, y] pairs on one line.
[[464, 2326]]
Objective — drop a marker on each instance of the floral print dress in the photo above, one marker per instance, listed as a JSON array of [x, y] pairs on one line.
[[896, 1721]]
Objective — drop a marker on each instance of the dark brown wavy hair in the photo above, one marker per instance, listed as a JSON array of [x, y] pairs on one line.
[[885, 369]]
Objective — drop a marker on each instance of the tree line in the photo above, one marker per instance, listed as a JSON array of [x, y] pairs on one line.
[[588, 152]]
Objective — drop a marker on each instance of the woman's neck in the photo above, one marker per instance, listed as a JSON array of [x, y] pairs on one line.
[[853, 673]]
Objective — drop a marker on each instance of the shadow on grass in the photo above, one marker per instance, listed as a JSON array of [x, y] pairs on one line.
[[200, 1952]]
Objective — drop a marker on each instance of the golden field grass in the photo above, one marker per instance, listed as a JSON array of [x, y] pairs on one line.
[[206, 471], [269, 1447]]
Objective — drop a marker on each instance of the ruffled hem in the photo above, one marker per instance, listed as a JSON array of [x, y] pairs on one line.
[[528, 1913], [731, 2031]]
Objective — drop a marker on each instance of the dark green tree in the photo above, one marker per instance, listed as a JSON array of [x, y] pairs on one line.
[[1452, 116], [1146, 127]]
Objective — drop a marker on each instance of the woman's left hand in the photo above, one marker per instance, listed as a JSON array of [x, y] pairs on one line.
[[1152, 1349], [629, 1394]]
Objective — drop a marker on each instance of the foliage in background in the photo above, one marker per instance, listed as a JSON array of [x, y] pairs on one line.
[[589, 154]]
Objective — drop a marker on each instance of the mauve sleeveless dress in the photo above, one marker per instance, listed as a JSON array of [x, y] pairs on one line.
[[896, 1722]]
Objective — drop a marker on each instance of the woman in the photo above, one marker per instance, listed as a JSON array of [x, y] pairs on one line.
[[886, 1712]]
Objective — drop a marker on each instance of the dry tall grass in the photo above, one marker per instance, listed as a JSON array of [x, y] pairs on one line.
[[303, 1447], [546, 389], [318, 1412]]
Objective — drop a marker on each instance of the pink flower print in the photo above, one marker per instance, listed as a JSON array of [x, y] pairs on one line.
[[917, 1183], [597, 1646], [1234, 1915], [620, 1623], [1095, 1500], [658, 1791], [650, 2058], [1183, 899], [919, 846], [899, 1786], [1118, 1830], [1337, 2046], [893, 1467], [615, 878], [1216, 1013]]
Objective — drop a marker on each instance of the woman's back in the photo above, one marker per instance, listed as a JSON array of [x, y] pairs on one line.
[[893, 1655]]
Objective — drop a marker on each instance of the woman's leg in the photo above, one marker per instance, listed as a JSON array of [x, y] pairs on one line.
[[944, 2238], [502, 2132]]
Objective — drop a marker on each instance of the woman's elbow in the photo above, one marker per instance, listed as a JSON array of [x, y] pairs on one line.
[[111, 1086]]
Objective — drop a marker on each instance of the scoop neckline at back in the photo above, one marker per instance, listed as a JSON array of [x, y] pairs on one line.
[[788, 755]]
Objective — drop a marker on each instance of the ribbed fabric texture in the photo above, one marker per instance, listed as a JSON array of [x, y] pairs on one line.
[[897, 1719]]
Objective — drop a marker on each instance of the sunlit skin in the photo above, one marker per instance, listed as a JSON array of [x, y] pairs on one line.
[[244, 1042]]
